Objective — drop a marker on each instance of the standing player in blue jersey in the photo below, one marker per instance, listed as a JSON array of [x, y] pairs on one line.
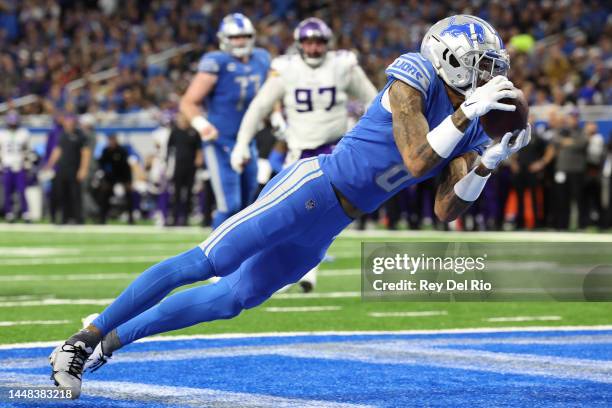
[[424, 122], [226, 82]]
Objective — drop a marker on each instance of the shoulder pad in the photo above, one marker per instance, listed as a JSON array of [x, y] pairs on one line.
[[346, 56], [262, 53], [412, 69], [212, 62], [280, 63]]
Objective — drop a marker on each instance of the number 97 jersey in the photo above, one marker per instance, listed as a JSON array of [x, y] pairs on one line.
[[236, 86], [315, 99]]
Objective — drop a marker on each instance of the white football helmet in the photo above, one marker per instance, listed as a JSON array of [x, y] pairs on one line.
[[466, 51], [236, 25]]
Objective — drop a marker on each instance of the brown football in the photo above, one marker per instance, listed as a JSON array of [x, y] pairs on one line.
[[497, 123]]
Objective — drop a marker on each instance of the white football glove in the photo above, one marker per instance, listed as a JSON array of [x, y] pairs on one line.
[[239, 157], [486, 97], [501, 151]]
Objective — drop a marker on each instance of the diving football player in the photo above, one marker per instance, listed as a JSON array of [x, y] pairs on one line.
[[422, 123]]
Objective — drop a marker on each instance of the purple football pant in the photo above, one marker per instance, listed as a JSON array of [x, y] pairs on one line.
[[323, 149], [14, 182]]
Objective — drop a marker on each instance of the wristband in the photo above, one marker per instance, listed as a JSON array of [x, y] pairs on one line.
[[199, 123], [470, 186], [444, 137]]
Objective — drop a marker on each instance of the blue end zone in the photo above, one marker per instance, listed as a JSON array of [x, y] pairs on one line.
[[551, 368]]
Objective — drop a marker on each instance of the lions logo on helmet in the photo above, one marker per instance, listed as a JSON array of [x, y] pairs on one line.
[[316, 29], [466, 51], [234, 26]]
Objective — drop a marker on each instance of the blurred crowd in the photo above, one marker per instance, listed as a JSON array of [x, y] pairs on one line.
[[561, 50], [88, 61]]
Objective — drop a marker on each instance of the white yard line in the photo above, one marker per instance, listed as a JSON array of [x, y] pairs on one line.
[[521, 236], [373, 345], [339, 272], [426, 332], [32, 322], [302, 309], [409, 314], [522, 318], [103, 229], [89, 249], [119, 276], [33, 251], [20, 297], [84, 260], [319, 295], [56, 302], [75, 277], [104, 302]]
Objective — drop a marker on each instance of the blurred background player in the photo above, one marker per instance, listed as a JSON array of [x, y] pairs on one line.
[[70, 157], [14, 149], [314, 86], [116, 176], [158, 170], [185, 154], [227, 81]]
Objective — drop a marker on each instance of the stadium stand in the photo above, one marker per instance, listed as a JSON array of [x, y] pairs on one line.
[[124, 63]]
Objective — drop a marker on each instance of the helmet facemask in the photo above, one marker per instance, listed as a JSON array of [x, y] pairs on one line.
[[312, 29], [488, 65], [474, 68], [313, 59], [228, 45]]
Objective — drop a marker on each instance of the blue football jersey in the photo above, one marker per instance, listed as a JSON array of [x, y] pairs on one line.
[[237, 84], [366, 165]]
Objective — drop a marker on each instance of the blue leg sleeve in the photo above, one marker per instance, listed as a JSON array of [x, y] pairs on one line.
[[255, 281], [152, 285], [269, 244], [183, 309]]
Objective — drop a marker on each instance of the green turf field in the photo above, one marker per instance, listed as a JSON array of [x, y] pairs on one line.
[[50, 278]]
